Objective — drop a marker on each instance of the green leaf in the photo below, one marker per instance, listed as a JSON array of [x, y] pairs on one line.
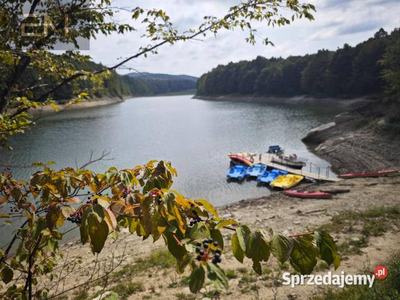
[[281, 247], [99, 210], [98, 232], [182, 264], [176, 249], [236, 249], [198, 231], [327, 248], [303, 257], [7, 274], [216, 235], [197, 279], [217, 276], [257, 249], [257, 267], [243, 233]]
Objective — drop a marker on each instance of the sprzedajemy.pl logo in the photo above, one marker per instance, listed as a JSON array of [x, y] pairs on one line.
[[334, 279]]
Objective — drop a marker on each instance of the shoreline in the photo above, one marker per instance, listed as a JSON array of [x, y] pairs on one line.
[[343, 104], [48, 110], [358, 140]]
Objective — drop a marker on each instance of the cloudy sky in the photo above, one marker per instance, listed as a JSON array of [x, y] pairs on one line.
[[336, 22]]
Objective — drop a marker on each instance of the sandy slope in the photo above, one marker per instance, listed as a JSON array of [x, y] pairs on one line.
[[282, 214]]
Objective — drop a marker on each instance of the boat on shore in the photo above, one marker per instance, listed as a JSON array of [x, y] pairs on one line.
[[256, 170], [287, 181], [237, 172], [369, 174], [307, 194]]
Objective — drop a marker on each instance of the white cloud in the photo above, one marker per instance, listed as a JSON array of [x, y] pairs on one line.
[[336, 22]]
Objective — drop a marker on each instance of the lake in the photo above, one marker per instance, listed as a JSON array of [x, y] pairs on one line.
[[195, 135]]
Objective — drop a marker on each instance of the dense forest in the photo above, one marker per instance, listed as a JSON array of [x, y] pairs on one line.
[[370, 68], [127, 85], [114, 85]]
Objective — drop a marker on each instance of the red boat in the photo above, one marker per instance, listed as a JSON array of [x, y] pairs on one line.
[[306, 194], [241, 159], [369, 174]]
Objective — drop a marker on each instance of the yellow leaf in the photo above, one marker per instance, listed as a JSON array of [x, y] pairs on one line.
[[55, 107], [110, 219], [3, 200], [208, 206], [225, 223], [73, 200], [178, 217], [4, 215]]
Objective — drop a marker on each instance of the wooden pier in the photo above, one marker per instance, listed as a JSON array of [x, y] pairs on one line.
[[266, 159]]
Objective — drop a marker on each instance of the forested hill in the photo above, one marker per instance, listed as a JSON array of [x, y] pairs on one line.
[[123, 86], [347, 72], [158, 76], [114, 86]]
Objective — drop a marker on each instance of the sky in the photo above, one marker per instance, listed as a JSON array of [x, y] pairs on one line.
[[336, 22]]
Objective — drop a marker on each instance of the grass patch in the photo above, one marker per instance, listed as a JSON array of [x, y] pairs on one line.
[[243, 270], [124, 290], [231, 274], [321, 266], [387, 289], [80, 295], [353, 246], [183, 296], [159, 258], [374, 221], [212, 294]]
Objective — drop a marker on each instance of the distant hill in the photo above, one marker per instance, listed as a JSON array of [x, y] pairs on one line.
[[145, 84], [157, 76]]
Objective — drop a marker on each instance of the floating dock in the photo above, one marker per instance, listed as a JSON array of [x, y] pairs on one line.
[[266, 159]]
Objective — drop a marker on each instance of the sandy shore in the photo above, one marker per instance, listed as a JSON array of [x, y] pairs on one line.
[[344, 104], [282, 214], [48, 110]]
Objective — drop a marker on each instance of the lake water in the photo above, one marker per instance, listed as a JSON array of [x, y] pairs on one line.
[[195, 135]]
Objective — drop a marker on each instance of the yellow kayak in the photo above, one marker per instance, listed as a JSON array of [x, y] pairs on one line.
[[287, 181]]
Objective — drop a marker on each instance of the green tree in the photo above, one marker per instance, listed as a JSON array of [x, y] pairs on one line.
[[391, 64], [140, 198]]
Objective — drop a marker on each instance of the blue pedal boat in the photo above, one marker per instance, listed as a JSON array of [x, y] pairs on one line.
[[237, 172], [270, 176], [256, 170]]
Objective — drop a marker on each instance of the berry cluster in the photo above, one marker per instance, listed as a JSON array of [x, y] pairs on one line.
[[75, 217], [15, 209], [90, 199], [204, 253], [196, 218]]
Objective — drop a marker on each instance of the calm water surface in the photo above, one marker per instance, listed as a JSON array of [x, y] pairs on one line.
[[194, 135]]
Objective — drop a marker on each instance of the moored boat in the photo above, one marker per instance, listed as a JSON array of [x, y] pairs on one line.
[[307, 194], [269, 176], [275, 150], [237, 172], [242, 158], [289, 161], [369, 174], [287, 181], [256, 170]]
